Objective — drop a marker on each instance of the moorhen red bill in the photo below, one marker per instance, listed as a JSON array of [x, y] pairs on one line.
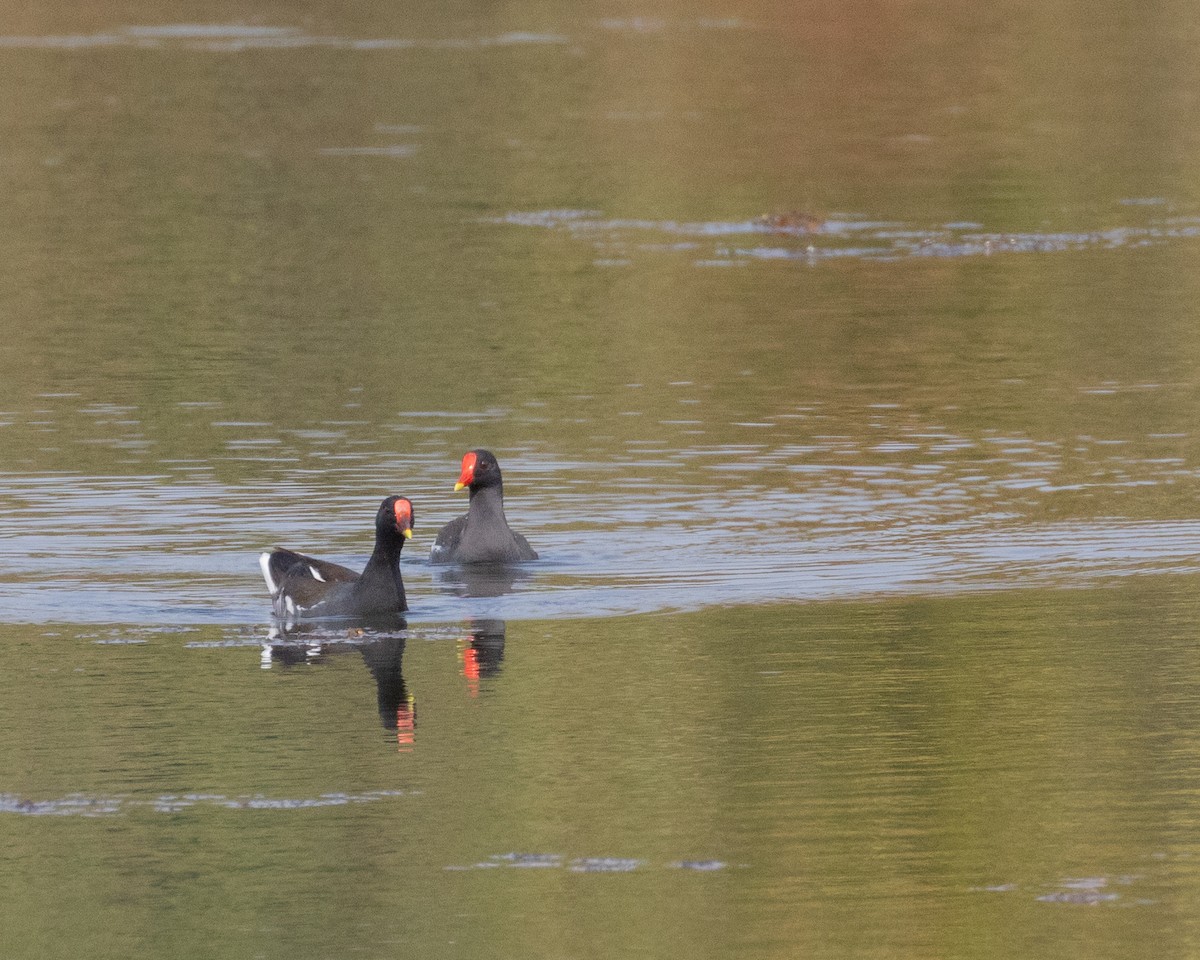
[[482, 534], [303, 586]]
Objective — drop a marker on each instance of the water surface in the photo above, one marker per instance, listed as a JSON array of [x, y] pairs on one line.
[[843, 368]]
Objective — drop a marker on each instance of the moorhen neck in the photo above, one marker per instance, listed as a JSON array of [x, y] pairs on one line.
[[482, 534], [303, 586]]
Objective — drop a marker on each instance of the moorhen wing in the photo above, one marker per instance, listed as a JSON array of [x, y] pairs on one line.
[[482, 534], [303, 586]]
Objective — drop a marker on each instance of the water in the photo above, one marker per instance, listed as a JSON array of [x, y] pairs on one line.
[[843, 370]]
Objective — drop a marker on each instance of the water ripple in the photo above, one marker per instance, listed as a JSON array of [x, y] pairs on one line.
[[558, 861], [85, 805], [812, 239], [892, 505], [236, 38]]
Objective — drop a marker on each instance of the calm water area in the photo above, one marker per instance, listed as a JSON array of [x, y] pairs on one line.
[[844, 364]]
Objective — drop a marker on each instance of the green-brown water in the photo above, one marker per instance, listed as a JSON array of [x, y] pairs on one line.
[[843, 363]]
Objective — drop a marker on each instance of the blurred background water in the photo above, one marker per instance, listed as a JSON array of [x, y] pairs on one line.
[[842, 362]]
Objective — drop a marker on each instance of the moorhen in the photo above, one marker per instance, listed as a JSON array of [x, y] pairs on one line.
[[306, 587], [482, 534]]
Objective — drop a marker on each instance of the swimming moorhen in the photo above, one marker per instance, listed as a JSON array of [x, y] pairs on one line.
[[482, 534], [304, 586]]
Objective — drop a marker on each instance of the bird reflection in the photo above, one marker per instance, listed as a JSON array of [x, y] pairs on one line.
[[483, 653], [397, 709], [383, 655], [481, 579]]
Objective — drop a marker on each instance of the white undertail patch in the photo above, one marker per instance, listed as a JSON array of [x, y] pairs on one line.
[[264, 563]]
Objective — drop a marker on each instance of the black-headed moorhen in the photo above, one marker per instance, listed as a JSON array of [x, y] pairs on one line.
[[303, 586], [482, 534]]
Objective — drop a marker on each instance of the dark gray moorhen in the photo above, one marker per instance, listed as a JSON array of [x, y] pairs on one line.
[[482, 534], [306, 587]]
